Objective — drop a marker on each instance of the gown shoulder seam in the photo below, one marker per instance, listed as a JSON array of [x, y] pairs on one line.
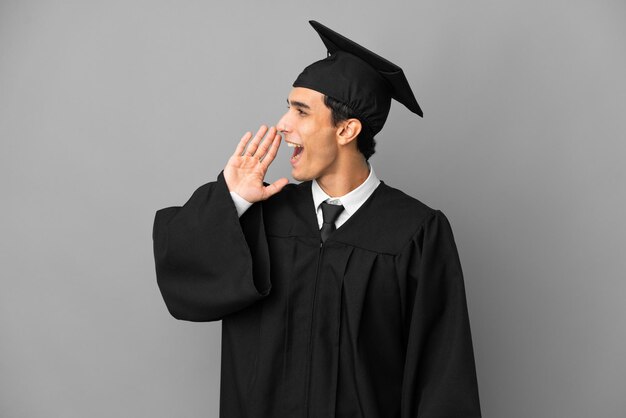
[[418, 230]]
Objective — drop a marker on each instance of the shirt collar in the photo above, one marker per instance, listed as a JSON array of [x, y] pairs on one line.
[[352, 200]]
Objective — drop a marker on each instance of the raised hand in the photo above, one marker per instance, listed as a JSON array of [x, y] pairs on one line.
[[245, 170]]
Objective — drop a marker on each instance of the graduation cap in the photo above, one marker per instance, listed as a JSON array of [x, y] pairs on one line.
[[359, 78]]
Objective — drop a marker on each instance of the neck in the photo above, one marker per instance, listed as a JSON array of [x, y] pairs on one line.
[[348, 176]]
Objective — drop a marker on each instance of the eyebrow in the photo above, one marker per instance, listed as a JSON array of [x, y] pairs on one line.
[[298, 104]]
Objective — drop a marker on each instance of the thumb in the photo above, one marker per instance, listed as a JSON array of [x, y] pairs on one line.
[[275, 187]]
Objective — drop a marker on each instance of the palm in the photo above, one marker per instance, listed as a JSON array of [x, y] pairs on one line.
[[247, 173], [244, 172]]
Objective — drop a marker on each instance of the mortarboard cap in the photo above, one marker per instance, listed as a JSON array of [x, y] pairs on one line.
[[359, 78]]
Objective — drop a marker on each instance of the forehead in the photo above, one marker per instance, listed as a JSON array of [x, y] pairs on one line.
[[313, 99]]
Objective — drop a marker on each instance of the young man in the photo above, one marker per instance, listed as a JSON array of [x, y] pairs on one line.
[[340, 296]]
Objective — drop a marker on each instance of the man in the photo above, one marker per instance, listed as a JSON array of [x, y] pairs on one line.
[[340, 296]]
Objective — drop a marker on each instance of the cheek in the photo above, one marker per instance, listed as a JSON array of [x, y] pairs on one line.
[[321, 147], [319, 138], [327, 141]]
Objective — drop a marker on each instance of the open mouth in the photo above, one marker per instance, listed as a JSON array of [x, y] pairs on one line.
[[297, 150]]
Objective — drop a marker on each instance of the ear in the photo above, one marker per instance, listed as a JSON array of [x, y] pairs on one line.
[[348, 131]]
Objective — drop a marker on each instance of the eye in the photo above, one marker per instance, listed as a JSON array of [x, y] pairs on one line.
[[299, 110]]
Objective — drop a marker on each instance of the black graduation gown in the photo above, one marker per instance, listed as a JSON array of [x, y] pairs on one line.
[[372, 324]]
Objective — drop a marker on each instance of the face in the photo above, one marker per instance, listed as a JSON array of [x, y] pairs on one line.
[[308, 124]]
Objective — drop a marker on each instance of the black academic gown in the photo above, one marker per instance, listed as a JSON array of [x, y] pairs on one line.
[[372, 324]]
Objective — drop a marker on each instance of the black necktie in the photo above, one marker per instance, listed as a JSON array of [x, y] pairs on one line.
[[330, 214]]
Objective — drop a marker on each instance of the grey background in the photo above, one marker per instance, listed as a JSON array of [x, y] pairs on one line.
[[112, 110]]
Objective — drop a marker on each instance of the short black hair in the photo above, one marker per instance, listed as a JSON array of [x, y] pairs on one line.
[[365, 142]]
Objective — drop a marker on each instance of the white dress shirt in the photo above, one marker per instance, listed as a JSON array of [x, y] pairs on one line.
[[351, 201]]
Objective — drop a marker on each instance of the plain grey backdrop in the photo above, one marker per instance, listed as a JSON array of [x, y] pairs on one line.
[[112, 110]]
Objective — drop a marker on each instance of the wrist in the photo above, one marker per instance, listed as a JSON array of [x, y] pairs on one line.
[[241, 204]]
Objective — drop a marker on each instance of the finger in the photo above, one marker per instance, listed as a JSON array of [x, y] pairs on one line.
[[275, 187], [259, 144], [252, 146], [271, 153], [266, 142], [242, 143]]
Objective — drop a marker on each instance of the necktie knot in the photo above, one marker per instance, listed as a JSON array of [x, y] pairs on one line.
[[330, 213]]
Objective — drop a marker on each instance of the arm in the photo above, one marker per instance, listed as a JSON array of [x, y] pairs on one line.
[[208, 263], [439, 377]]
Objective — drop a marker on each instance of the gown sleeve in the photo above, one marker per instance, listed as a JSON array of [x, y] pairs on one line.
[[439, 377], [209, 262]]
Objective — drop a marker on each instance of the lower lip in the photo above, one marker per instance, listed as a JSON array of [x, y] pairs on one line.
[[294, 160]]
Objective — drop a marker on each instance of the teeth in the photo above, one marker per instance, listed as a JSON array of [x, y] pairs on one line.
[[292, 145]]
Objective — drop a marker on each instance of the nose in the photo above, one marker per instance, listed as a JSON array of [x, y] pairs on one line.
[[283, 124]]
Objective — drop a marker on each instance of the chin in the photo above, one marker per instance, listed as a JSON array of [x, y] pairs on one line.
[[300, 177]]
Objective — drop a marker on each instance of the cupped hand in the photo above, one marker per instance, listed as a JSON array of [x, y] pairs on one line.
[[246, 168]]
